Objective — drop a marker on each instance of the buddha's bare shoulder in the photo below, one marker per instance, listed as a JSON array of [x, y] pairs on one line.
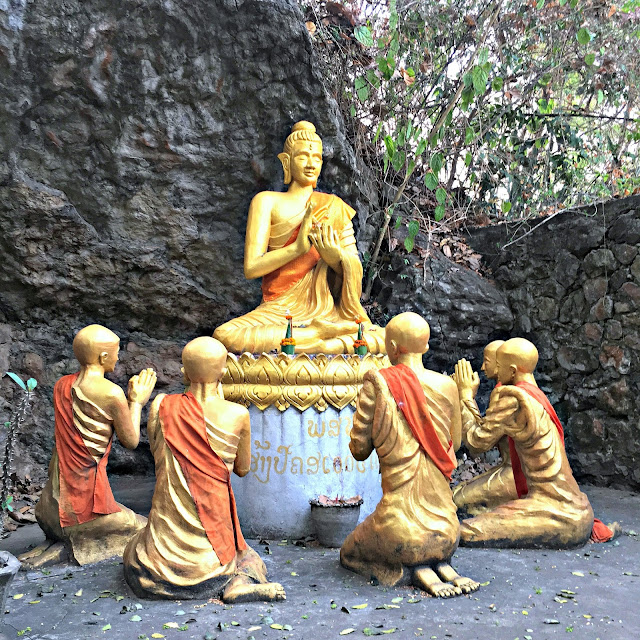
[[267, 198]]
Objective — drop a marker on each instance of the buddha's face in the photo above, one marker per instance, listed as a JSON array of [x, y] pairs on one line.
[[306, 162]]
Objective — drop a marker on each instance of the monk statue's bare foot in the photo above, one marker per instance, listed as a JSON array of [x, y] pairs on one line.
[[426, 579], [448, 574], [44, 555], [241, 589]]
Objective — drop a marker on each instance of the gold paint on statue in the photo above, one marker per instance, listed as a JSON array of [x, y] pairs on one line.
[[172, 557], [554, 513], [413, 531], [300, 381], [301, 242], [495, 486], [99, 408]]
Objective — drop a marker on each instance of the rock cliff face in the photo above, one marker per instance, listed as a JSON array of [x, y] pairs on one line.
[[133, 136], [573, 284]]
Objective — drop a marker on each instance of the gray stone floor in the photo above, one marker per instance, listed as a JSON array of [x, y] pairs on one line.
[[587, 593]]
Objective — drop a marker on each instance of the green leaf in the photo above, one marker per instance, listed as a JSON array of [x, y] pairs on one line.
[[363, 94], [413, 229], [373, 78], [408, 245], [469, 135], [32, 383], [7, 424], [483, 56], [363, 35], [540, 4], [106, 627], [441, 195], [480, 77], [16, 379], [422, 146], [436, 162], [562, 2], [506, 207], [497, 84], [431, 181], [468, 159], [590, 58], [583, 36], [135, 618], [439, 212]]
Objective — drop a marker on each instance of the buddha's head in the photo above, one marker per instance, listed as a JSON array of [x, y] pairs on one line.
[[516, 358], [204, 360], [302, 155], [406, 333], [96, 344], [489, 360]]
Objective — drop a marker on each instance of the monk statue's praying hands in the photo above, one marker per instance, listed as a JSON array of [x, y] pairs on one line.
[[77, 510], [301, 243]]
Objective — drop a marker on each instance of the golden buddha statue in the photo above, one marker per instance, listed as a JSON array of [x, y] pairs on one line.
[[77, 510], [301, 243], [411, 417], [496, 485], [192, 545], [551, 511]]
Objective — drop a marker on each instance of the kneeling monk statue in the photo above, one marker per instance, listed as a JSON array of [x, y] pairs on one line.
[[549, 511], [77, 508], [301, 244], [411, 417], [192, 546], [495, 486]]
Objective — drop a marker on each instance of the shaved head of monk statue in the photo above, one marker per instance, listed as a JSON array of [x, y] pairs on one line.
[[549, 510], [411, 417], [192, 546], [77, 510], [495, 486]]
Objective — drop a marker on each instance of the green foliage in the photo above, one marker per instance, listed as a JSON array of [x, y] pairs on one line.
[[507, 109]]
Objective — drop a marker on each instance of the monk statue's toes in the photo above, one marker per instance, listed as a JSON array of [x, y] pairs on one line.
[[280, 593], [467, 585], [444, 590]]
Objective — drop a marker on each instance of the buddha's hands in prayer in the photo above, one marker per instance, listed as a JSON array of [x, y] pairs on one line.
[[467, 380], [303, 242], [325, 239], [141, 386]]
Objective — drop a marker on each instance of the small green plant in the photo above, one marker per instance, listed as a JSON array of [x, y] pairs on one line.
[[13, 426]]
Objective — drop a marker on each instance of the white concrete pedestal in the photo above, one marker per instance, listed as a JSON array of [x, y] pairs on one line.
[[297, 456]]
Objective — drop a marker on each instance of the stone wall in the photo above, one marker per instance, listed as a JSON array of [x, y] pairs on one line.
[[133, 136], [573, 284]]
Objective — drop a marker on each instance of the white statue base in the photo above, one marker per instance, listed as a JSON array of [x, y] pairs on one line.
[[301, 411], [297, 456]]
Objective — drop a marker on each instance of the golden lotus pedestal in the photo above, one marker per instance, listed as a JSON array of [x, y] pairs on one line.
[[301, 411]]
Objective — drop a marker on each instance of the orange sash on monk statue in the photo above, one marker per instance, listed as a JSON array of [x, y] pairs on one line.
[[207, 475], [409, 396], [85, 493]]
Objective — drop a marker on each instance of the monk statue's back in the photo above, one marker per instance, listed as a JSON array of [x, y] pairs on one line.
[[301, 243]]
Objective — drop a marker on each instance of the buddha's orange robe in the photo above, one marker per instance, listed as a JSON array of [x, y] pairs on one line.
[[305, 288]]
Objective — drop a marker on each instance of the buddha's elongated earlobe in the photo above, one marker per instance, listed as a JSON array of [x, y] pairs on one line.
[[285, 159]]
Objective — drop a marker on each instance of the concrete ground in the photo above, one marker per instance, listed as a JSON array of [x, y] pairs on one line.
[[589, 593]]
